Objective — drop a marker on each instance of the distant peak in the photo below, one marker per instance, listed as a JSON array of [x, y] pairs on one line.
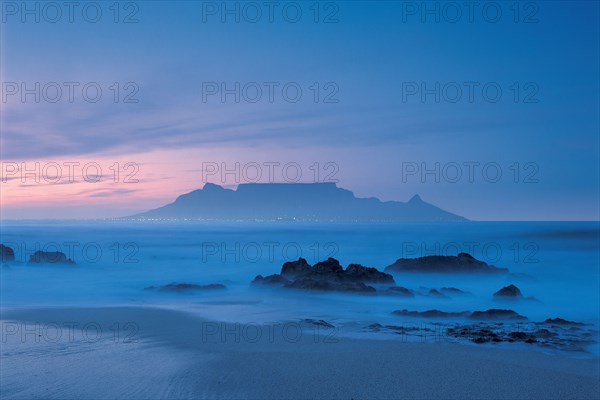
[[211, 186], [286, 184], [416, 199]]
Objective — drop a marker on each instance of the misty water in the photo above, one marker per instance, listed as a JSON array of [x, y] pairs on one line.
[[555, 264]]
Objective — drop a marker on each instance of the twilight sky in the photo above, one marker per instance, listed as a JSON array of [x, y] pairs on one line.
[[491, 113]]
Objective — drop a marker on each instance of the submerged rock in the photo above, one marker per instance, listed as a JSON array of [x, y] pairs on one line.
[[560, 321], [50, 257], [430, 313], [561, 336], [7, 254], [185, 287], [509, 291], [491, 314], [496, 314], [318, 322], [462, 263], [400, 291]]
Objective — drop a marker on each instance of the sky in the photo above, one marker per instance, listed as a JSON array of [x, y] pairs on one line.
[[490, 112]]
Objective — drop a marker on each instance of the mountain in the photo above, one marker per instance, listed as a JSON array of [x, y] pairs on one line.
[[293, 201]]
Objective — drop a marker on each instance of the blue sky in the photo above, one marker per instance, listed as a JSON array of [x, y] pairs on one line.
[[545, 125]]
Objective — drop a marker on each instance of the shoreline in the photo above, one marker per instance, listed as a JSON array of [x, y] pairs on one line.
[[174, 354]]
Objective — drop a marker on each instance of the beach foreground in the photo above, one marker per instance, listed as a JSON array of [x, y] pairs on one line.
[[134, 352]]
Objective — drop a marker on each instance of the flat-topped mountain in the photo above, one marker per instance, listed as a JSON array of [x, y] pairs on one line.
[[293, 201]]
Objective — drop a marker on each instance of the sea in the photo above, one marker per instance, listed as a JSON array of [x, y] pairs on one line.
[[556, 266]]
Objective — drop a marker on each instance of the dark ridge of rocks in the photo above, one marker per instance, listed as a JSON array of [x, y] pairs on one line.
[[489, 334], [430, 313], [326, 275], [560, 321], [501, 333], [375, 327], [496, 314], [7, 254], [510, 291], [444, 292], [462, 263], [186, 287], [399, 291], [557, 337], [50, 257], [318, 322], [327, 286], [491, 314]]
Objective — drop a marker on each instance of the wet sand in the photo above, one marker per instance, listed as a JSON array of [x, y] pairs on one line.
[[151, 353]]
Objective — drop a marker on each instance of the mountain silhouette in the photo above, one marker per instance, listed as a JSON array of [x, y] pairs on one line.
[[293, 201]]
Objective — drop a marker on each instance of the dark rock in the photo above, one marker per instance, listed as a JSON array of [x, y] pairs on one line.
[[318, 322], [519, 335], [497, 332], [367, 274], [560, 321], [274, 279], [401, 291], [462, 263], [509, 291], [328, 286], [49, 257], [430, 313], [310, 284], [544, 333], [7, 254], [375, 327], [294, 268], [496, 314], [404, 329], [186, 287], [331, 266], [492, 314]]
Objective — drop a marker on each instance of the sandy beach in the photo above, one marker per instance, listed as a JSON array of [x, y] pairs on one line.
[[133, 352]]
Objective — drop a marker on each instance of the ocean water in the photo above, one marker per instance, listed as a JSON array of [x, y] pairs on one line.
[[555, 264]]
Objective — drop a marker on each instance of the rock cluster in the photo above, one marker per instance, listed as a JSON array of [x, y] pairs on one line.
[[185, 287], [7, 254], [462, 263], [491, 314], [50, 257], [327, 275]]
